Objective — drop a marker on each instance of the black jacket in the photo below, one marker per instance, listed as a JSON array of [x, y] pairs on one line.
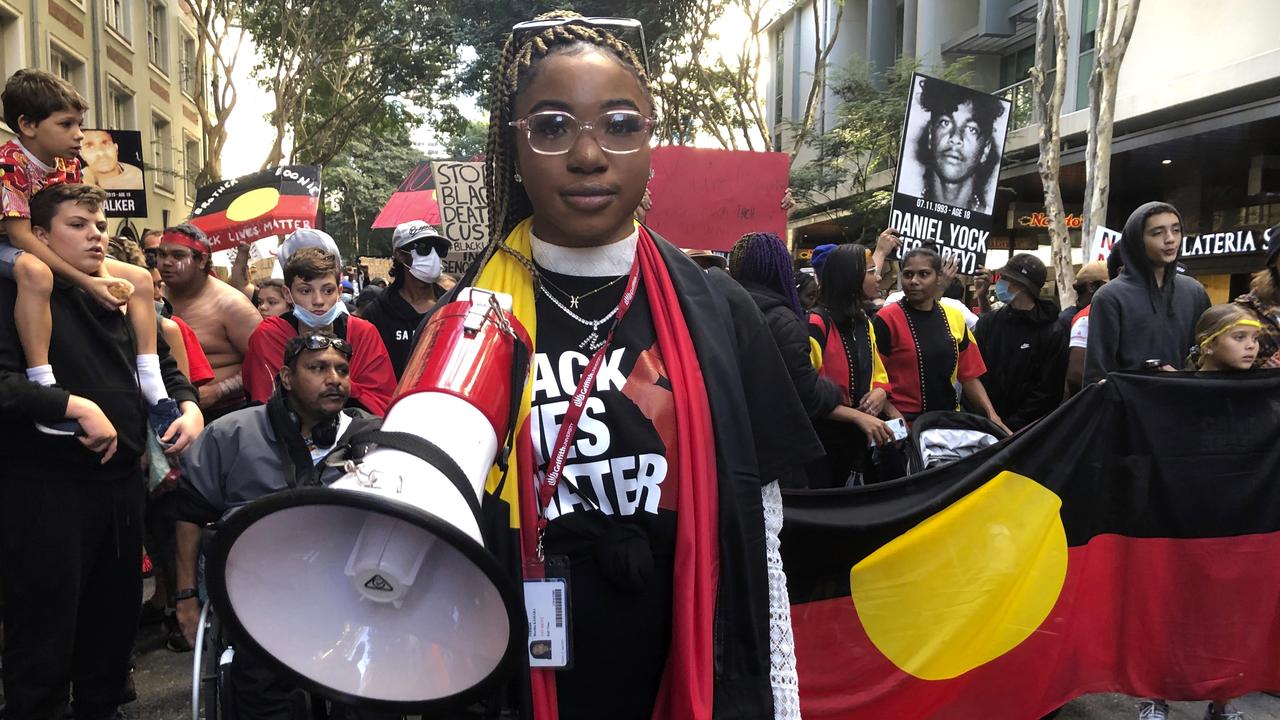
[[818, 394], [1026, 361], [761, 433], [1133, 320], [93, 354]]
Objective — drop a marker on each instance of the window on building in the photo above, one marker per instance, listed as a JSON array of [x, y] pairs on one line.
[[900, 31], [68, 67], [779, 63], [115, 14], [191, 160], [119, 107], [10, 43], [1084, 68], [162, 152], [157, 35], [188, 69]]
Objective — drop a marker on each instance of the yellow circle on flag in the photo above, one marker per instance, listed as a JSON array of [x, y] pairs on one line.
[[252, 204], [968, 584]]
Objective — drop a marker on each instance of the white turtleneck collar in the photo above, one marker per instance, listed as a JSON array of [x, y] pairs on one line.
[[601, 261]]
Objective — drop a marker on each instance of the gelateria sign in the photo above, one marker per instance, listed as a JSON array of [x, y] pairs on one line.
[[1245, 241]]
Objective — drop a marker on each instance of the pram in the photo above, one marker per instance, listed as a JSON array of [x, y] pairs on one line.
[[939, 438]]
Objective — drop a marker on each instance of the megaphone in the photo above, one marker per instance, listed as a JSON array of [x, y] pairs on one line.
[[378, 591]]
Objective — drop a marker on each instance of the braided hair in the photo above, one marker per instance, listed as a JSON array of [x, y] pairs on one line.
[[508, 202], [762, 258]]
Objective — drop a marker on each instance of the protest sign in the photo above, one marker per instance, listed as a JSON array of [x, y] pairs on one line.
[[271, 202], [113, 161], [1103, 242], [414, 199], [707, 199], [464, 211], [948, 166]]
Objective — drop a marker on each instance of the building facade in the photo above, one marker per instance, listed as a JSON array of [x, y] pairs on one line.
[[1197, 112], [135, 62]]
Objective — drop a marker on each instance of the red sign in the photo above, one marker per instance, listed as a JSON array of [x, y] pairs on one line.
[[707, 199], [415, 199]]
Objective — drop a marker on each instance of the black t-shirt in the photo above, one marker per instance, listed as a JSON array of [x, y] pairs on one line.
[[620, 614]]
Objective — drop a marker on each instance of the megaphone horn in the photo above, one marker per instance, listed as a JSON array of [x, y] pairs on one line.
[[378, 591]]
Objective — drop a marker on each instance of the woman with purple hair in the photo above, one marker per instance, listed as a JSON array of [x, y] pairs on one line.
[[761, 263]]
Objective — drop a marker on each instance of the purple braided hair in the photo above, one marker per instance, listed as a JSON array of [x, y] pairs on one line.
[[762, 258]]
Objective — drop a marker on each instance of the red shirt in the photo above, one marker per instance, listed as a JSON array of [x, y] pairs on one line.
[[22, 176], [197, 361], [372, 379]]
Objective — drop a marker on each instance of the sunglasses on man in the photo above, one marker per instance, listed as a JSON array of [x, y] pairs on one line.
[[320, 342], [424, 246]]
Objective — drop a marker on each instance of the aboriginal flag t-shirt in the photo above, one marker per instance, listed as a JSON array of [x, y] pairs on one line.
[[614, 514]]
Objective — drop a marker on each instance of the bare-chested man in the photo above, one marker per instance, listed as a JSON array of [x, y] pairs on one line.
[[222, 317]]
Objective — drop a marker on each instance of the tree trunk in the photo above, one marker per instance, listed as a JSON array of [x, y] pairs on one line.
[[1110, 45], [1053, 12], [819, 70]]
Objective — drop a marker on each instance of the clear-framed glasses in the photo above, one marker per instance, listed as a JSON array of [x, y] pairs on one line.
[[553, 132], [612, 24]]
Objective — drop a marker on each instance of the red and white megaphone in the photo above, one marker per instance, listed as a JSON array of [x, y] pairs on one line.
[[378, 590]]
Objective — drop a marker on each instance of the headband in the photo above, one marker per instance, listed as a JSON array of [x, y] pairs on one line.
[[175, 237], [1247, 322]]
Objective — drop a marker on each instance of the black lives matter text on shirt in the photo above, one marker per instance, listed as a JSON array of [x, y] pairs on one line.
[[617, 492]]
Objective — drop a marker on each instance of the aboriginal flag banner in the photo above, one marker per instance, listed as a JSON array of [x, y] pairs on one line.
[[1127, 543], [271, 202]]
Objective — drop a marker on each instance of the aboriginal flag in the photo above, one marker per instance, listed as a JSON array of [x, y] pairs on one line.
[[414, 199], [1127, 543], [271, 202]]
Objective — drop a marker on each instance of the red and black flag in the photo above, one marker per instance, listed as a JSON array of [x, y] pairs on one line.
[[414, 199], [272, 202], [1127, 543]]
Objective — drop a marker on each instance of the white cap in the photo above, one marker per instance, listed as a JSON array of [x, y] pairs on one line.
[[305, 238], [407, 232]]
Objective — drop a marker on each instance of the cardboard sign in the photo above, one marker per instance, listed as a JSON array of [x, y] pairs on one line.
[[1103, 242], [414, 199], [464, 211], [271, 202], [707, 199], [113, 161], [948, 167]]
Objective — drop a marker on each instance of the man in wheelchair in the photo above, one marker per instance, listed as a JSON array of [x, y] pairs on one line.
[[258, 451]]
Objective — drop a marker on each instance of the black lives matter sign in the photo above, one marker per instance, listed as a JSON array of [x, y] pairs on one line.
[[948, 167]]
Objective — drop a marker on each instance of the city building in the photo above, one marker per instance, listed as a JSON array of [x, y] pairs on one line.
[[1197, 113], [135, 62]]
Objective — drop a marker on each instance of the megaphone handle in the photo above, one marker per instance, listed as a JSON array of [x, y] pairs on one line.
[[429, 453]]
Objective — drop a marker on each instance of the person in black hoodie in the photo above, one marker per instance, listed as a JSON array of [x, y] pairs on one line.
[[1023, 345], [416, 270], [1150, 311], [71, 505]]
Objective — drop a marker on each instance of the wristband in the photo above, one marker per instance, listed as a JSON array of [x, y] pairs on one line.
[[186, 594]]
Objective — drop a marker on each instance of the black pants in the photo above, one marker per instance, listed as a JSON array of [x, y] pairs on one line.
[[71, 563]]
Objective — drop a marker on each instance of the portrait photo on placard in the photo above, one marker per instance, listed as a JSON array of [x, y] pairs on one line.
[[952, 143]]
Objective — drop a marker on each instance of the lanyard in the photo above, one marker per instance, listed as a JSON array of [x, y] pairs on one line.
[[577, 402]]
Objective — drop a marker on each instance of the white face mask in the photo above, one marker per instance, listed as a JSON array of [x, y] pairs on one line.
[[312, 320], [425, 267]]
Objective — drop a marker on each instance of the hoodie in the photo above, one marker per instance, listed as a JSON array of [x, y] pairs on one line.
[[818, 394], [1025, 352], [1133, 320]]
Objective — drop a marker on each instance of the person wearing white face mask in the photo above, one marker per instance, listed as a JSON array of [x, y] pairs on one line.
[[416, 264], [312, 278]]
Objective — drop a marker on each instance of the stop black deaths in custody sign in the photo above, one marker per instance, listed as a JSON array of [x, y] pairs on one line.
[[948, 168]]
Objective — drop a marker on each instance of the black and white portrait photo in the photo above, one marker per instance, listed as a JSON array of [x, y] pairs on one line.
[[952, 145]]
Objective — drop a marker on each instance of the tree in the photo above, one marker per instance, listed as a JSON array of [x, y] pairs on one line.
[[218, 41], [468, 141], [1111, 42], [358, 181], [332, 66]]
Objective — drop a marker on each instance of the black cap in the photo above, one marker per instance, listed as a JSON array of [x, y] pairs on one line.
[[1027, 269]]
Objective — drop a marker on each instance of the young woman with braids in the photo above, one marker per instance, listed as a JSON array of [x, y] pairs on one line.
[[760, 262], [657, 509], [840, 326]]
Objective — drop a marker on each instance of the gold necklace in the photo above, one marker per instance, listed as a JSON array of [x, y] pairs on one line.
[[574, 299]]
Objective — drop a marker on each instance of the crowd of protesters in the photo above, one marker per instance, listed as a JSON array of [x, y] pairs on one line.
[[143, 397]]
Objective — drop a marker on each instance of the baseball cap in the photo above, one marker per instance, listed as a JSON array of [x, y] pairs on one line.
[[414, 230], [1092, 272], [305, 238], [1027, 269]]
